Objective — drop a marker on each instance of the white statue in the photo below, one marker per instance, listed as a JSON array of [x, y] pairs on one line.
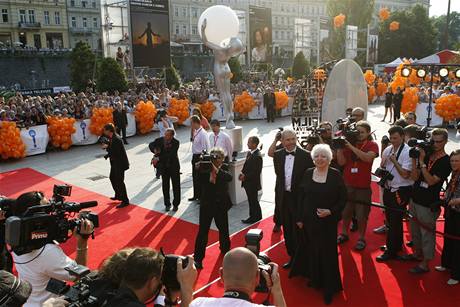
[[222, 72]]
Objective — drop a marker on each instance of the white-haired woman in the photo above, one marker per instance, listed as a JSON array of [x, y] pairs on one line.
[[320, 208]]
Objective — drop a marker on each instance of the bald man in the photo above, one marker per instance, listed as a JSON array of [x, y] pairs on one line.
[[240, 275]]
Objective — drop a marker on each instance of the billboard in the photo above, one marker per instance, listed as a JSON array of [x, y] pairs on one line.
[[260, 31], [150, 33]]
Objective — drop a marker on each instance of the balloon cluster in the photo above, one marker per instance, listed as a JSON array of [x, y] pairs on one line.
[[381, 88], [398, 80], [319, 74], [290, 79], [339, 21], [413, 79], [60, 131], [370, 94], [448, 107], [207, 109], [384, 14], [281, 99], [394, 26], [369, 77], [11, 145], [244, 103], [180, 109], [100, 117], [410, 100], [145, 114]]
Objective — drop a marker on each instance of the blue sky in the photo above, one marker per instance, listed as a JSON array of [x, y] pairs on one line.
[[439, 7]]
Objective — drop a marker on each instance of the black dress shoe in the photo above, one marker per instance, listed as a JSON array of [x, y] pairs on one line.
[[199, 265], [123, 204], [175, 208], [247, 221], [327, 298], [114, 198], [287, 265], [167, 208], [193, 199], [126, 143], [385, 257]]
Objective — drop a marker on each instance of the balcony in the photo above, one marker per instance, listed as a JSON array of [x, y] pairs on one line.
[[29, 25], [83, 31]]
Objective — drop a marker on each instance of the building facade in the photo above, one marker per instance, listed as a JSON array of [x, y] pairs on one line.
[[84, 21], [39, 24]]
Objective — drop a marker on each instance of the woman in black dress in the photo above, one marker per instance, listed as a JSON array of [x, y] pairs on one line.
[[320, 206], [450, 259], [388, 103]]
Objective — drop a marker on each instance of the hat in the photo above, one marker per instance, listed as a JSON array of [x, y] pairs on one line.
[[13, 291]]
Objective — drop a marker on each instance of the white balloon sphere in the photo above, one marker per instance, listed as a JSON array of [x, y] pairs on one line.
[[221, 24]]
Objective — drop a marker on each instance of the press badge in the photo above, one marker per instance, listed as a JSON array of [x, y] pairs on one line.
[[424, 185], [354, 170]]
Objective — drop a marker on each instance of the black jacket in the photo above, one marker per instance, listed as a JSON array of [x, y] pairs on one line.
[[251, 170], [216, 195], [117, 153], [168, 156], [120, 119], [269, 100], [125, 298]]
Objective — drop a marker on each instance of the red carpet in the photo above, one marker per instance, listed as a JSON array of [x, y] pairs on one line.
[[366, 282]]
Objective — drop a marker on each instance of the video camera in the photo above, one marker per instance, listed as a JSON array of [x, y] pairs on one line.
[[384, 176], [78, 295], [347, 132], [205, 161], [416, 144], [6, 204], [314, 133], [43, 224], [253, 238], [161, 113]]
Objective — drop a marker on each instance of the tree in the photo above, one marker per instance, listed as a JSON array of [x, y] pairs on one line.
[[110, 76], [172, 77], [81, 66], [414, 39], [439, 24], [235, 67], [300, 67]]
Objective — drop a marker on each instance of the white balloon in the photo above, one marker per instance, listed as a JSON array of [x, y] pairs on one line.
[[221, 24]]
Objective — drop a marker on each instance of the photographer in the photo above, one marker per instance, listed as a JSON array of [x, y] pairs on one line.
[[118, 164], [164, 122], [142, 280], [358, 114], [429, 171], [326, 133], [50, 261], [276, 145], [240, 275], [357, 163], [215, 202], [395, 169]]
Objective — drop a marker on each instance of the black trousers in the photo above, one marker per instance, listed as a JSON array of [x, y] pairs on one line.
[[220, 216], [172, 175], [397, 111], [394, 221], [196, 177], [122, 131], [255, 212], [271, 114], [117, 179], [288, 223]]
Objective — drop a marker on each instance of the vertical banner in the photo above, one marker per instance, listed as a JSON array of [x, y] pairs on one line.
[[303, 39], [260, 31], [82, 135], [150, 33], [351, 42], [36, 139], [372, 46], [131, 127]]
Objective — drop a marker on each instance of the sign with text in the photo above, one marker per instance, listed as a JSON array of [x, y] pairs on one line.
[[36, 139], [82, 135]]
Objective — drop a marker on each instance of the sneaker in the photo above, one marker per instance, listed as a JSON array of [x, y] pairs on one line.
[[452, 282]]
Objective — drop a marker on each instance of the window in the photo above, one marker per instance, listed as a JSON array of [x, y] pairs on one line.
[[184, 12], [276, 35], [95, 23], [84, 4], [94, 4], [276, 20], [194, 30], [194, 12], [74, 22], [31, 16], [176, 11], [47, 17], [5, 15], [57, 18], [177, 29], [22, 16], [282, 34], [184, 29], [85, 22], [72, 3]]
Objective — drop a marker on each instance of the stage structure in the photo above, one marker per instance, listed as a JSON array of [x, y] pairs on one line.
[[115, 27]]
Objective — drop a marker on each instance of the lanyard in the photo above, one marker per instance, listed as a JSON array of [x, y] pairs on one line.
[[238, 295], [196, 133], [216, 137], [432, 162]]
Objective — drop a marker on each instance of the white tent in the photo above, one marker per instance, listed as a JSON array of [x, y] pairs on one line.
[[394, 63]]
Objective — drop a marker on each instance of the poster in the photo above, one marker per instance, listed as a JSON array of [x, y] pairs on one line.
[[260, 31], [82, 135], [150, 33], [36, 139]]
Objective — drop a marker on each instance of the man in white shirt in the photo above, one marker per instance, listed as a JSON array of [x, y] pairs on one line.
[[240, 275], [200, 143], [397, 191], [220, 139]]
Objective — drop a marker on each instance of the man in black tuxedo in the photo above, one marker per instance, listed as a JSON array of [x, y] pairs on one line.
[[118, 164], [215, 202], [166, 148], [269, 104], [120, 119], [290, 164], [250, 180]]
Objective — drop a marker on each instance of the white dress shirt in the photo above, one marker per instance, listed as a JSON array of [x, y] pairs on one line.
[[406, 163], [223, 141], [222, 302], [288, 168], [200, 141]]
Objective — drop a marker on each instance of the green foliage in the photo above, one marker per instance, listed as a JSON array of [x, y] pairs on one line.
[[172, 77], [300, 67], [265, 67], [110, 76], [235, 67], [81, 66], [414, 39], [439, 24]]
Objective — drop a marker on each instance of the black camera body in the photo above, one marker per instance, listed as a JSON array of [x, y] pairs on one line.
[[253, 238], [169, 273], [161, 113], [384, 176], [347, 132], [314, 134], [205, 162], [43, 224], [416, 144], [104, 140]]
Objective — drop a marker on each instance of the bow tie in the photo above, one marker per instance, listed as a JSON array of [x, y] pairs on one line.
[[290, 153]]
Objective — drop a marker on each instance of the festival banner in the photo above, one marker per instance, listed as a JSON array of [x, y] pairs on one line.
[[36, 139], [83, 135], [131, 127], [422, 114], [150, 33], [260, 31]]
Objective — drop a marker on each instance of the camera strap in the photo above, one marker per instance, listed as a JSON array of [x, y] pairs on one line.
[[238, 295]]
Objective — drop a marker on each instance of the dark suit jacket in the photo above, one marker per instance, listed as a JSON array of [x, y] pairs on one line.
[[120, 119], [302, 162], [251, 170], [168, 156], [117, 153], [269, 100], [216, 196]]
